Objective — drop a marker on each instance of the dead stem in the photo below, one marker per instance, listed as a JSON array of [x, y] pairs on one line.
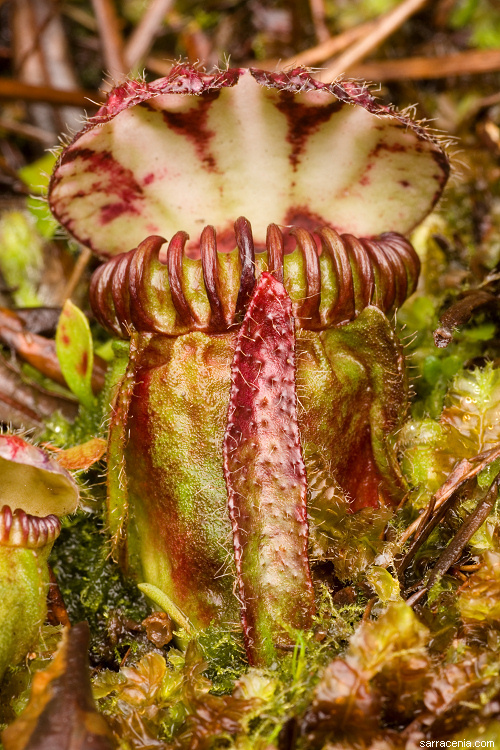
[[11, 88], [322, 51], [465, 469], [32, 132], [76, 274], [471, 62], [385, 26], [472, 523], [143, 36], [111, 38], [429, 523], [40, 55], [452, 553], [318, 15]]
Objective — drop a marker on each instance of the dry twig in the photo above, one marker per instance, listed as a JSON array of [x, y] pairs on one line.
[[32, 132], [322, 51], [464, 470], [471, 62], [143, 36], [451, 554], [111, 38], [41, 58], [385, 26], [318, 15], [15, 89], [472, 523], [81, 264]]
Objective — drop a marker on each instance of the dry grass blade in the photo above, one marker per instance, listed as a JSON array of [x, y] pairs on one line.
[[318, 14], [14, 89], [41, 58], [464, 470], [471, 62], [385, 26], [111, 38], [32, 132], [323, 51], [428, 523], [26, 404], [473, 522], [143, 36], [39, 351], [81, 264]]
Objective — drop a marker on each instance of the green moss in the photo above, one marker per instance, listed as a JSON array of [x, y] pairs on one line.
[[92, 586], [225, 656]]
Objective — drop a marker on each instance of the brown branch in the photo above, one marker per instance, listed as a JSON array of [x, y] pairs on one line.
[[29, 63], [111, 37], [41, 57], [385, 26], [81, 264], [429, 523], [472, 523], [323, 51], [143, 36], [80, 16], [471, 62], [32, 132], [318, 15], [451, 554], [11, 88], [462, 471]]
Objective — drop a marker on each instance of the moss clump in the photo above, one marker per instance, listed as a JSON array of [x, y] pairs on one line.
[[94, 588]]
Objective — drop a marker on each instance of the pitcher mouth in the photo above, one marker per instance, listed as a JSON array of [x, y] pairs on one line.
[[330, 289], [197, 148], [20, 529]]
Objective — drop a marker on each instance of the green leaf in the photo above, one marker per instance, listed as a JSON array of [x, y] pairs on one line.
[[479, 18], [472, 407], [485, 478], [480, 601], [75, 352], [162, 600], [385, 586], [21, 257], [463, 13], [44, 221], [36, 177]]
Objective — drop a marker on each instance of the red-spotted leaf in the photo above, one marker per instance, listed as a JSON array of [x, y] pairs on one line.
[[75, 352]]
